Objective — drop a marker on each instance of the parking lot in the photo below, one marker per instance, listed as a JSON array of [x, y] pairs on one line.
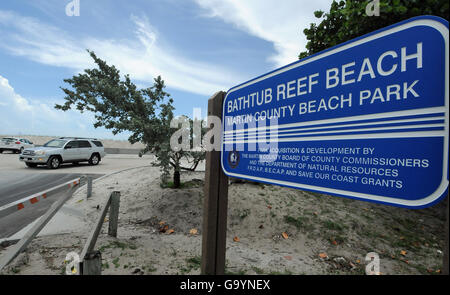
[[18, 181]]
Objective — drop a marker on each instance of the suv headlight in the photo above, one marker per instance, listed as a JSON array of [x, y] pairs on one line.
[[40, 153]]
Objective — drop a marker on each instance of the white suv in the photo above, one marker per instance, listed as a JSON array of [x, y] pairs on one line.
[[14, 144], [64, 150]]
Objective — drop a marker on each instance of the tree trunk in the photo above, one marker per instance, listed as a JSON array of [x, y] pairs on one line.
[[176, 179]]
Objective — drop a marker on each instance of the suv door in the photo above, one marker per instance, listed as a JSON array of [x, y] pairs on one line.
[[71, 151], [98, 147], [25, 143], [30, 144], [85, 149]]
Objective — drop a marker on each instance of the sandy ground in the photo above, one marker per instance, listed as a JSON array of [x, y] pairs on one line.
[[108, 143], [271, 230]]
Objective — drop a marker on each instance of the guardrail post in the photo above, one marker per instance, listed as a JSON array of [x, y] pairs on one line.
[[114, 214], [92, 239], [92, 263], [89, 187]]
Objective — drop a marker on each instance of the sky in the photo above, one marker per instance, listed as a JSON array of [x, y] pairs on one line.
[[198, 47]]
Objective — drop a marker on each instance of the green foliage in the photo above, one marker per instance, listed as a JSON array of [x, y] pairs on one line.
[[347, 20], [120, 106], [331, 225], [192, 263], [297, 222], [116, 262], [195, 261]]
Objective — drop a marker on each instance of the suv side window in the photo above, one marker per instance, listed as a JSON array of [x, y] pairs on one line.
[[84, 144], [97, 143], [72, 144]]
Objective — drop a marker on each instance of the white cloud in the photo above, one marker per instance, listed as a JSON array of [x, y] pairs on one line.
[[15, 107], [26, 36], [142, 56], [279, 22], [19, 115], [8, 97], [29, 114]]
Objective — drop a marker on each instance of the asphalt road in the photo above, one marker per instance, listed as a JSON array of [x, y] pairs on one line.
[[18, 181], [111, 163], [15, 186]]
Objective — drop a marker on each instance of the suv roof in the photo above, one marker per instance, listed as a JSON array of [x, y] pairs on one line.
[[76, 138]]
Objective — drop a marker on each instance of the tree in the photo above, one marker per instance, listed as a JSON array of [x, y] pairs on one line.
[[347, 20], [191, 150], [119, 105]]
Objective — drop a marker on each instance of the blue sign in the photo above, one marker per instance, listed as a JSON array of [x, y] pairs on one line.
[[368, 119]]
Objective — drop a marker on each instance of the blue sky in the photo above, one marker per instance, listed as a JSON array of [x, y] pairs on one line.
[[197, 46]]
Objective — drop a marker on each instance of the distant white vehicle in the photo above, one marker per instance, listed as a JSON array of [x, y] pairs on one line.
[[15, 144]]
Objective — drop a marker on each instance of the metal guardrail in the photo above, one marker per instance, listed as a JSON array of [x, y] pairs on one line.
[[90, 260], [34, 231], [35, 198]]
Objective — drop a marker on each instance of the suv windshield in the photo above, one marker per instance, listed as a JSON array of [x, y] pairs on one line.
[[55, 143]]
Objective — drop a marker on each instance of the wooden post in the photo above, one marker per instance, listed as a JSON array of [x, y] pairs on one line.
[[89, 187], [114, 214], [92, 239], [445, 264], [92, 264], [215, 204]]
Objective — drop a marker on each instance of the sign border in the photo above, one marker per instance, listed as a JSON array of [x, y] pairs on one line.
[[437, 23]]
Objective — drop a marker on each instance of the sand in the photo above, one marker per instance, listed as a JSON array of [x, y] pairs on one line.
[[271, 230]]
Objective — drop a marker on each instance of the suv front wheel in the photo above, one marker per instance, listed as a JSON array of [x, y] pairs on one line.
[[54, 162], [94, 160]]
